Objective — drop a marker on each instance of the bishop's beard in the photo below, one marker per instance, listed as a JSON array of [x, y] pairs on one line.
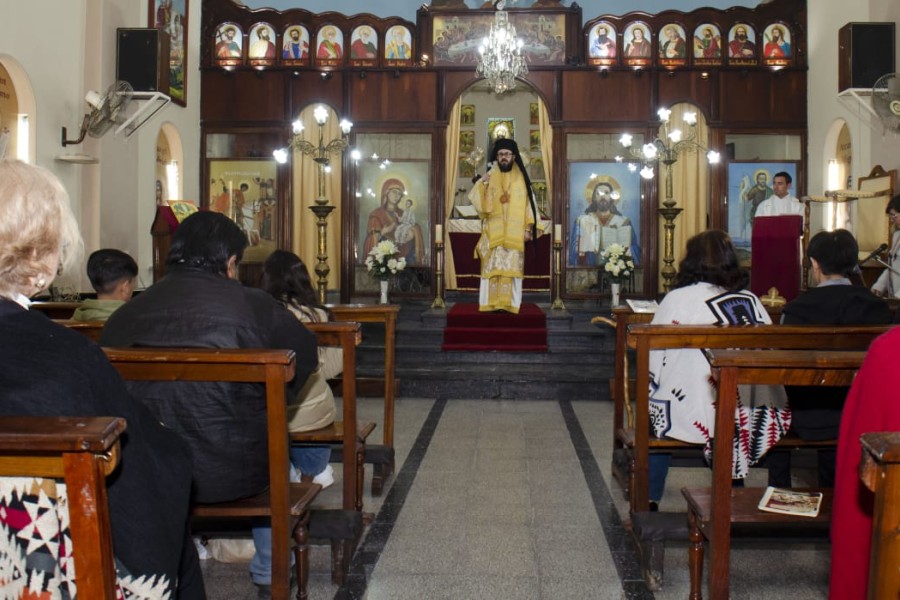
[[507, 167]]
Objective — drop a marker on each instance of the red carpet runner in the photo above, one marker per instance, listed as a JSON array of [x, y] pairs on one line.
[[470, 330]]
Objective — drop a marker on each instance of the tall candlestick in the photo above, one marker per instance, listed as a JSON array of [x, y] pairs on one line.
[[439, 232], [557, 232]]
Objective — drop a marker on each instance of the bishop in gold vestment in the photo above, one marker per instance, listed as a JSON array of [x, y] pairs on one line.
[[505, 203]]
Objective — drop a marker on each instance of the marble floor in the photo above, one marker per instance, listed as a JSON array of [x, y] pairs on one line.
[[497, 499]]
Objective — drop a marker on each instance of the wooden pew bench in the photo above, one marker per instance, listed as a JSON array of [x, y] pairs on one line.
[[342, 527], [90, 329], [81, 451], [645, 338], [55, 310], [651, 530], [712, 511], [286, 503], [621, 386], [880, 472], [380, 456]]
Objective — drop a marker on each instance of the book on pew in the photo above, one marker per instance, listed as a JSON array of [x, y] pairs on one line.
[[791, 502], [642, 306]]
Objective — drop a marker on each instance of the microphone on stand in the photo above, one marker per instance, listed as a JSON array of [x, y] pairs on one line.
[[874, 253]]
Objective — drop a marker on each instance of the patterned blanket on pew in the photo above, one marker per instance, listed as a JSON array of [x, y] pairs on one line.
[[36, 549]]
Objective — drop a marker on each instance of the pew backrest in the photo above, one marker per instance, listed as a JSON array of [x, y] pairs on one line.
[[645, 338], [90, 329], [347, 336], [82, 451]]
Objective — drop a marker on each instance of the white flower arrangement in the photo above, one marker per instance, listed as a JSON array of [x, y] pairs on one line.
[[617, 263], [384, 260]]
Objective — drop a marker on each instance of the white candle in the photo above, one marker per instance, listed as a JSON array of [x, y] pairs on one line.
[[557, 232], [439, 232]]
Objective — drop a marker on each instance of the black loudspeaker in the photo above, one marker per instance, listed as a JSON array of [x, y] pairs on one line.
[[142, 59], [866, 51]]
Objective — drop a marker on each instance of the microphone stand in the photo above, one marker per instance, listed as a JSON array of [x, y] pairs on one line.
[[887, 266]]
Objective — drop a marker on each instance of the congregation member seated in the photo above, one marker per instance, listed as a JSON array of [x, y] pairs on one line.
[[287, 279], [112, 274], [49, 370], [816, 411], [201, 304], [873, 404], [888, 283], [709, 289]]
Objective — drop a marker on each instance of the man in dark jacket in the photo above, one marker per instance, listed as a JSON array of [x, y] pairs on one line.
[[816, 411], [200, 304]]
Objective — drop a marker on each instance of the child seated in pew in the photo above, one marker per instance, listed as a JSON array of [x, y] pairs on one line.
[[816, 411], [112, 274], [709, 289], [286, 278]]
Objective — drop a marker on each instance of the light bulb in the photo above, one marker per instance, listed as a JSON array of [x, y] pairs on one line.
[[355, 154], [297, 127], [346, 126], [626, 139], [320, 114], [649, 151], [664, 114], [280, 155], [675, 135], [690, 118], [619, 158], [713, 157], [647, 172], [632, 167]]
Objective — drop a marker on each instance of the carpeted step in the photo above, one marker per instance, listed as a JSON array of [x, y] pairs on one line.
[[493, 348], [498, 338], [468, 315], [469, 329]]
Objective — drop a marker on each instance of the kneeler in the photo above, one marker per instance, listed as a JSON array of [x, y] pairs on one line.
[[775, 248]]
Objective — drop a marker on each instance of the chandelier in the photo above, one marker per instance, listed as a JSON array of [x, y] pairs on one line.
[[501, 59]]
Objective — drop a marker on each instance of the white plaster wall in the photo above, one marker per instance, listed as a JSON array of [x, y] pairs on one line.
[[51, 54], [67, 47], [870, 147]]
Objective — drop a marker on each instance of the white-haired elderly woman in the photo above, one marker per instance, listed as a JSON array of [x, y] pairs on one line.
[[50, 370]]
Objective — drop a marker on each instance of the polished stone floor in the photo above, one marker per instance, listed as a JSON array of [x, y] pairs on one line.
[[501, 499]]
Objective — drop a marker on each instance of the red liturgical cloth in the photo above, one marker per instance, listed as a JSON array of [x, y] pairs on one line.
[[775, 248]]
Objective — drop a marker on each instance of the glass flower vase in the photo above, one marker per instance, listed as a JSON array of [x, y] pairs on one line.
[[383, 299], [615, 289]]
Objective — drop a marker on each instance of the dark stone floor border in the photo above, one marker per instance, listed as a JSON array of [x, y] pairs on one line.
[[370, 550], [618, 539]]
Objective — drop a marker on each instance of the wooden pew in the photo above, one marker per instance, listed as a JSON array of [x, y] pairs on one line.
[[880, 472], [345, 335], [621, 385], [91, 329], [712, 511], [286, 503], [342, 528], [381, 457], [55, 310], [82, 451], [644, 338]]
